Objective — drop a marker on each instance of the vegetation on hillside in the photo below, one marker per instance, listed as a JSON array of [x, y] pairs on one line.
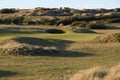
[[56, 16], [8, 11]]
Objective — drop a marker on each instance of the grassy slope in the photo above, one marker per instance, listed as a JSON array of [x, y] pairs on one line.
[[82, 56]]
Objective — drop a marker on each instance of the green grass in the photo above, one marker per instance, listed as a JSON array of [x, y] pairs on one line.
[[82, 56], [66, 36]]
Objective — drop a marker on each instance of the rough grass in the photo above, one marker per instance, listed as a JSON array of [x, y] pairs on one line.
[[27, 46], [108, 38], [107, 31], [75, 55], [98, 73]]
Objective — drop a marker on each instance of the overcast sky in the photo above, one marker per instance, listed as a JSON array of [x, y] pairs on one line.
[[79, 4]]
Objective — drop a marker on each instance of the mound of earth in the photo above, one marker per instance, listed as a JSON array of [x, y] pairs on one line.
[[98, 73], [108, 38], [19, 46], [83, 30]]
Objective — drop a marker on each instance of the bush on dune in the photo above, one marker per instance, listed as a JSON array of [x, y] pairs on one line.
[[55, 31], [7, 10], [96, 26], [116, 20]]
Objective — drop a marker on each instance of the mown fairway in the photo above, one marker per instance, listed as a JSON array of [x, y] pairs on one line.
[[76, 55]]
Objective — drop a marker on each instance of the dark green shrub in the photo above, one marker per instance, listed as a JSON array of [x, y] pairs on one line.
[[75, 23], [45, 22], [79, 24], [116, 20], [29, 22], [17, 20], [52, 22], [49, 22], [7, 10], [87, 19], [1, 20], [66, 21], [10, 20], [7, 20], [55, 31], [117, 9], [82, 25], [25, 21], [96, 26]]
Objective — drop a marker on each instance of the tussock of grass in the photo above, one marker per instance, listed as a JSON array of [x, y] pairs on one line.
[[98, 73], [108, 38], [18, 46]]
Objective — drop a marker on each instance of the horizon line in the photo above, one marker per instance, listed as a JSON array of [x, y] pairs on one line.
[[56, 7]]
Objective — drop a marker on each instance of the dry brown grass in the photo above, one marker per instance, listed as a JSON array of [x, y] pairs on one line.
[[18, 46], [108, 38], [98, 73], [107, 30]]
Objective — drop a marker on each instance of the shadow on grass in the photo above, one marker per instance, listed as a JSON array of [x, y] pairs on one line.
[[58, 44], [22, 30], [64, 53], [7, 73], [76, 54]]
